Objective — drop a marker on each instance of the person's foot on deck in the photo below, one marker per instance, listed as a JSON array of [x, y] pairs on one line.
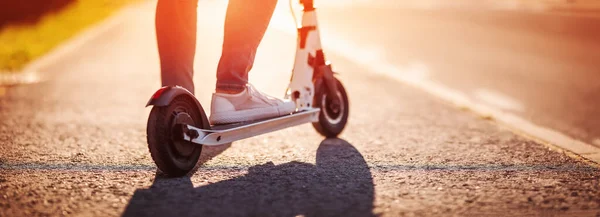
[[247, 105]]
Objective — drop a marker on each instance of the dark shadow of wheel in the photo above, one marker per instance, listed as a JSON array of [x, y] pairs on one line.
[[334, 109], [173, 155]]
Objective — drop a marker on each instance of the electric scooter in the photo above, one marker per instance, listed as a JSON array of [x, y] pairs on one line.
[[178, 127]]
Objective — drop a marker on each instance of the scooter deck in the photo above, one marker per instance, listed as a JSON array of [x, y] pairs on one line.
[[223, 134]]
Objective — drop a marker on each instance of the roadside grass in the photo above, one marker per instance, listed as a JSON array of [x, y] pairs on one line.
[[20, 44]]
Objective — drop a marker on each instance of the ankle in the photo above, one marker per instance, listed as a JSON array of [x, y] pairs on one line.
[[228, 91], [229, 88]]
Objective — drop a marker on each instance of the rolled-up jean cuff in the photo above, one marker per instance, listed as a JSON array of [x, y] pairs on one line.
[[230, 87]]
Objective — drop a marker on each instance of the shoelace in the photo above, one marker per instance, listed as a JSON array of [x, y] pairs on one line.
[[260, 95]]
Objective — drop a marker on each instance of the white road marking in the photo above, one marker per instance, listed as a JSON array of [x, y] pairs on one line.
[[499, 100], [27, 77], [416, 77]]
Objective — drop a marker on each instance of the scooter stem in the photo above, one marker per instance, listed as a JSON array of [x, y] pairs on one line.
[[308, 5]]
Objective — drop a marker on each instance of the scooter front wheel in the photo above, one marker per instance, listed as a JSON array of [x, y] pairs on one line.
[[334, 109], [173, 155]]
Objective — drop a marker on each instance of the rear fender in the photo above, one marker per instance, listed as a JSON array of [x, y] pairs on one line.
[[166, 94]]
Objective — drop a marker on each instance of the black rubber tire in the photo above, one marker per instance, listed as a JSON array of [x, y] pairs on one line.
[[162, 146], [325, 126]]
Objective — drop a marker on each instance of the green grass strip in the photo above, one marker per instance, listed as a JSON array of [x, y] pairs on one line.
[[21, 44]]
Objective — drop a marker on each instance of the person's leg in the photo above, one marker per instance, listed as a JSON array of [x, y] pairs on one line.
[[176, 36], [245, 24], [235, 101]]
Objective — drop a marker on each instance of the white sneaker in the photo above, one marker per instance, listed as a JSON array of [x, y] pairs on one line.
[[248, 105]]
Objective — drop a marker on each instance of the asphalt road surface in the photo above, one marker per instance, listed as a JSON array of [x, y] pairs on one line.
[[74, 144]]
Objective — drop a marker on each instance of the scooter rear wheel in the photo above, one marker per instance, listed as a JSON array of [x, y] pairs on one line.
[[334, 109], [174, 156]]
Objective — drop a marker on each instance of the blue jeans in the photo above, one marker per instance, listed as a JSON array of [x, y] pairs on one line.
[[245, 24]]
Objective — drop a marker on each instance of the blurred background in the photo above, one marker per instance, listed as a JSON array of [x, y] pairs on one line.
[[29, 29], [537, 59], [509, 54]]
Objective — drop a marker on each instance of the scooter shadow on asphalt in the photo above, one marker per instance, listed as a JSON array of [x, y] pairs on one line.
[[340, 184]]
